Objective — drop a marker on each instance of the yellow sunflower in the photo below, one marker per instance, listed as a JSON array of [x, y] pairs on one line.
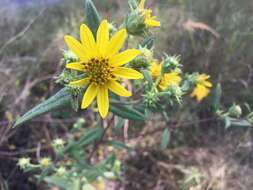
[[202, 87], [149, 19], [168, 79], [102, 64]]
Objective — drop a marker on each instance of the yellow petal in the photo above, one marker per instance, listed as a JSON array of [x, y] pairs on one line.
[[116, 42], [103, 101], [203, 77], [118, 89], [75, 66], [127, 73], [87, 38], [200, 92], [142, 4], [169, 79], [76, 47], [152, 23], [155, 69], [80, 83], [124, 57], [207, 84], [89, 95], [103, 36]]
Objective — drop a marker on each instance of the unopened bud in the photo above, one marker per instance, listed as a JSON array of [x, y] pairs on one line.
[[24, 163], [135, 24], [235, 111], [171, 64]]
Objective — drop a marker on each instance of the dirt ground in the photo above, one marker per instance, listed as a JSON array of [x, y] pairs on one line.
[[211, 162]]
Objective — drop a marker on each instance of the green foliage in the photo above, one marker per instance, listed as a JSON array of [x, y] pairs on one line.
[[59, 100], [216, 98], [88, 137], [92, 17], [127, 112], [80, 172]]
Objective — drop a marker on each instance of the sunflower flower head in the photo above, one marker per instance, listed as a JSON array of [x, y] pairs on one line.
[[202, 87], [140, 19], [166, 79], [102, 65], [149, 19]]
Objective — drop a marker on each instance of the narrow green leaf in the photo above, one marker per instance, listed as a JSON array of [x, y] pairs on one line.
[[120, 123], [216, 100], [88, 137], [165, 138], [127, 112], [92, 17], [61, 99], [119, 145]]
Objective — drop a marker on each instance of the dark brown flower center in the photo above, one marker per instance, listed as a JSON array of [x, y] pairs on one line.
[[98, 70]]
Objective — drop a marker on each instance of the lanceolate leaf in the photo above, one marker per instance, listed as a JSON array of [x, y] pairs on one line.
[[89, 137], [92, 17], [127, 112], [216, 102], [59, 100]]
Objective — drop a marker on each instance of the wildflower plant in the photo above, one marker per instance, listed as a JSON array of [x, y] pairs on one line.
[[118, 81]]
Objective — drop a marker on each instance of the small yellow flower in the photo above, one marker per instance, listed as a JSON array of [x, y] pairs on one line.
[[45, 162], [168, 79], [149, 19], [202, 87], [102, 64]]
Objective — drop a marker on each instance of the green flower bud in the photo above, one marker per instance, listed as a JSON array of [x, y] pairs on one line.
[[147, 53], [174, 94], [143, 60], [24, 163], [151, 98], [58, 144], [171, 64], [135, 24], [235, 111]]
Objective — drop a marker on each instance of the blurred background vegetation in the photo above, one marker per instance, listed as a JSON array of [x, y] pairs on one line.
[[212, 36]]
